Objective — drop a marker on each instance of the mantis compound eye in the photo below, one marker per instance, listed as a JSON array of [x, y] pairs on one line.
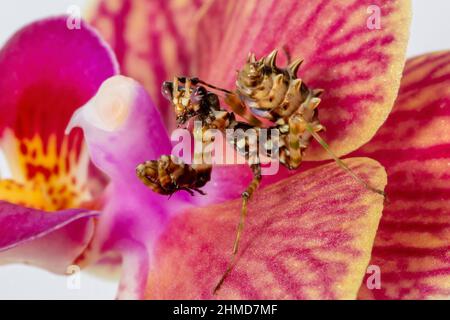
[[166, 90], [198, 94]]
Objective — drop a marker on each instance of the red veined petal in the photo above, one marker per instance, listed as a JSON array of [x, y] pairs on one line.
[[49, 240], [359, 68], [151, 39], [306, 237], [412, 246], [46, 72]]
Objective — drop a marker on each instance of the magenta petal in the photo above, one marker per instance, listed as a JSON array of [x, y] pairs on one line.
[[46, 72], [52, 240]]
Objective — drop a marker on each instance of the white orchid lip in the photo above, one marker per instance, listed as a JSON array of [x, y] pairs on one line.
[[109, 109]]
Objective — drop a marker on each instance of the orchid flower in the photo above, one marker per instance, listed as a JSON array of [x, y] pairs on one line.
[[310, 234], [46, 72]]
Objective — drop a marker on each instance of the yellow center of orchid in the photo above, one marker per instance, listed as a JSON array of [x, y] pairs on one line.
[[44, 175]]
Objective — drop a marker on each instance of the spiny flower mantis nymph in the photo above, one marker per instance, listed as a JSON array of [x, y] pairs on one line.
[[262, 89]]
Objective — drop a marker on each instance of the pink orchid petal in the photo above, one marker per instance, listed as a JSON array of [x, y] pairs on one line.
[[122, 129], [413, 242], [49, 240], [150, 39], [135, 266], [306, 237], [47, 71], [229, 181], [359, 68]]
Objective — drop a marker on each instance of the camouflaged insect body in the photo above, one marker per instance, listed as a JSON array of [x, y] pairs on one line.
[[279, 96], [263, 88]]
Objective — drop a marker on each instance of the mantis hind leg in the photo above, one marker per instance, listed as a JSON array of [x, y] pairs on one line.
[[294, 145], [340, 163], [246, 195]]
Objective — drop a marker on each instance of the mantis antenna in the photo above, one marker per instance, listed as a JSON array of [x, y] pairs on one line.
[[340, 163]]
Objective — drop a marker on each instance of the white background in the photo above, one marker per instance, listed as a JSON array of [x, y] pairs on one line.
[[430, 32]]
